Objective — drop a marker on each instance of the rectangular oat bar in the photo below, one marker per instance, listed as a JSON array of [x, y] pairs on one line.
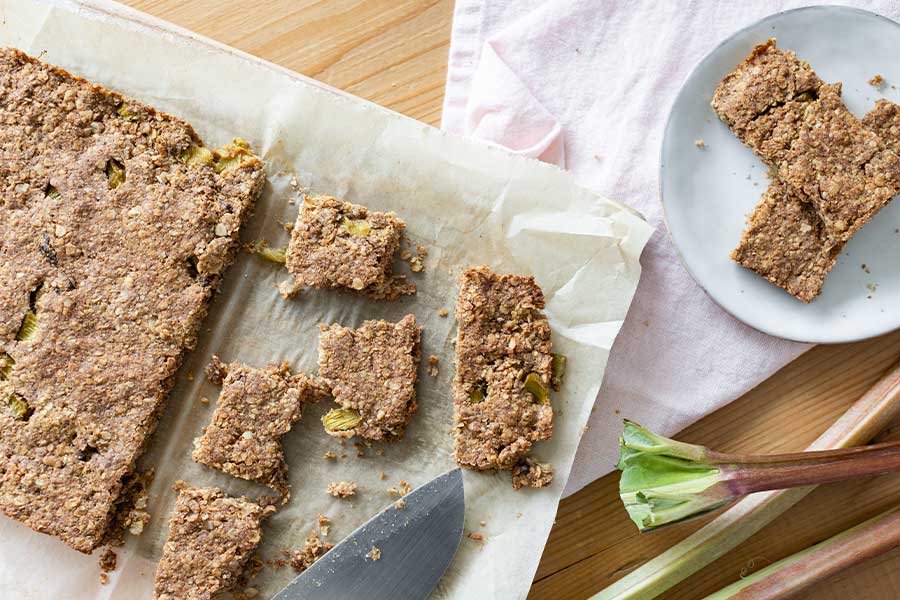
[[336, 244], [786, 242], [802, 129], [372, 372], [503, 372], [117, 227], [211, 538], [255, 409]]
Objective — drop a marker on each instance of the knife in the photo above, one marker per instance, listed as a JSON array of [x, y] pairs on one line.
[[416, 544]]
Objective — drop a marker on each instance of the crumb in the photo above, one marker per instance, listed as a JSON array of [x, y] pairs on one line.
[[374, 553], [400, 504], [475, 537], [482, 523], [402, 489], [700, 143], [289, 288], [190, 376], [313, 550], [342, 489], [433, 366], [443, 313], [871, 286], [104, 578], [247, 594], [382, 476], [204, 400], [421, 251], [324, 525], [329, 455], [108, 560], [877, 82], [866, 269], [360, 450], [405, 254], [596, 157]]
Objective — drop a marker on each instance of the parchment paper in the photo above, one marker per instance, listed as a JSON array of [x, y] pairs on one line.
[[468, 203]]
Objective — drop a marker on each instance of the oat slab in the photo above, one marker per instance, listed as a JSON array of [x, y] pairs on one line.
[[114, 241], [210, 539], [466, 203]]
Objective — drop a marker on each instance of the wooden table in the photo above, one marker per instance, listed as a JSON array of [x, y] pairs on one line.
[[394, 52]]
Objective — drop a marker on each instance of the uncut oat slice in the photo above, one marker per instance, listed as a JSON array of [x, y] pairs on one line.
[[211, 537], [117, 227], [372, 371], [255, 409], [336, 244], [503, 372]]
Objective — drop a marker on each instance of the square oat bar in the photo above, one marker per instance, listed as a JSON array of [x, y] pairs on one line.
[[211, 538], [372, 372], [802, 129], [335, 244], [786, 242], [117, 227], [503, 373], [255, 409]]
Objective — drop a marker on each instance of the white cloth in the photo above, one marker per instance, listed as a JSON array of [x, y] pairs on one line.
[[588, 84]]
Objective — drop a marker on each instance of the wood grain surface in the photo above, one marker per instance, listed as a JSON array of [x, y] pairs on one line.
[[394, 52]]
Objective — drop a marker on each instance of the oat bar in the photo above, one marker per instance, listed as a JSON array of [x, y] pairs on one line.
[[372, 371], [786, 242], [802, 129], [117, 226], [503, 371], [211, 538], [255, 409], [335, 244]]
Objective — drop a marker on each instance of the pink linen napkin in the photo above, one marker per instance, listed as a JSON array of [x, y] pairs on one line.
[[587, 84]]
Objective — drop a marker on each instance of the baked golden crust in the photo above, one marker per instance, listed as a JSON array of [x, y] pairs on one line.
[[211, 537], [503, 371], [372, 371], [113, 244]]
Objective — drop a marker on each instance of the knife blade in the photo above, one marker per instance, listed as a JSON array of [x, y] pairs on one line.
[[416, 544]]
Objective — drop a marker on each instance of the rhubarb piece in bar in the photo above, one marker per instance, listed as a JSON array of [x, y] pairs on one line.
[[372, 371], [786, 242], [503, 372], [211, 538], [802, 129], [118, 225], [335, 244], [255, 409]]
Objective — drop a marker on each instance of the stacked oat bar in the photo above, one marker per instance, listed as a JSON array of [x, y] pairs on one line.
[[832, 172]]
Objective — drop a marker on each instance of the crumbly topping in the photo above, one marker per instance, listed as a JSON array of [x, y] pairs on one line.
[[342, 489], [372, 371], [211, 538], [503, 370], [877, 81], [255, 409], [112, 247], [108, 560], [313, 550], [336, 244]]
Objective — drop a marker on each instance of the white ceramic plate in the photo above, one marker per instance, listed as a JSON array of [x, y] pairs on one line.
[[708, 193]]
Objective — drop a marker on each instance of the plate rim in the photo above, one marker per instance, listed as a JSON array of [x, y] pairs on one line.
[[662, 167]]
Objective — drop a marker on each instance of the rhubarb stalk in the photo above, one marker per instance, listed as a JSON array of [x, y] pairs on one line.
[[797, 573], [862, 421], [665, 481]]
